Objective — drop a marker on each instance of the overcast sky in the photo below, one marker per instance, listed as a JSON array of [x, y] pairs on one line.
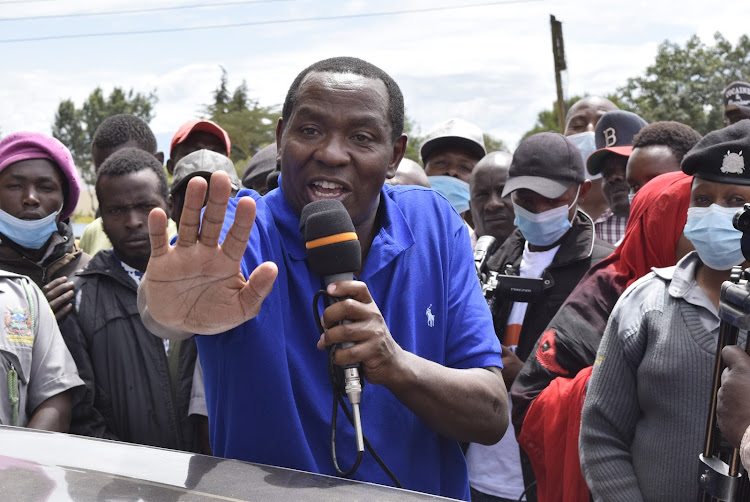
[[487, 62]]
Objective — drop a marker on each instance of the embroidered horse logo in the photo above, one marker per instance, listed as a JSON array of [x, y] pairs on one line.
[[430, 316], [733, 163]]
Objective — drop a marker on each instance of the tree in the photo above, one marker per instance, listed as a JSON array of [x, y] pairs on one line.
[[249, 125], [75, 127], [685, 83], [493, 144], [414, 140]]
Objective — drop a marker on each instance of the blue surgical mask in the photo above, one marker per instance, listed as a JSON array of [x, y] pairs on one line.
[[586, 143], [711, 231], [31, 234], [546, 228], [453, 189]]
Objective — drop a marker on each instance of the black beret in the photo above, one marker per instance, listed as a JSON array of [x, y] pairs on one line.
[[719, 156]]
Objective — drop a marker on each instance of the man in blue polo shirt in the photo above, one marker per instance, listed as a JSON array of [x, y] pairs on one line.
[[421, 329]]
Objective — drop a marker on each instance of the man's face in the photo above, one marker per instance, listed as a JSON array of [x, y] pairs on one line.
[[197, 140], [125, 203], [734, 116], [491, 212], [337, 145], [176, 200], [648, 162], [614, 186], [451, 161], [584, 114], [538, 203], [31, 189]]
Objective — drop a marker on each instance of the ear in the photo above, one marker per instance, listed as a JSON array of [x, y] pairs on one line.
[[399, 149], [170, 166], [585, 187], [160, 157]]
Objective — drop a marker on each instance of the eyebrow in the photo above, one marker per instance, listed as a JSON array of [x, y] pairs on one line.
[[21, 177], [314, 113]]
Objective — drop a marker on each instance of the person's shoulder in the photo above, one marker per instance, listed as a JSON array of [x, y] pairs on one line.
[[422, 203], [645, 295]]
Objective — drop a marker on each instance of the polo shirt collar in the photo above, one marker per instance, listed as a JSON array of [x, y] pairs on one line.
[[393, 238]]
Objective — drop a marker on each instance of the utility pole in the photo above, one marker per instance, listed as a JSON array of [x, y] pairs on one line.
[[558, 52]]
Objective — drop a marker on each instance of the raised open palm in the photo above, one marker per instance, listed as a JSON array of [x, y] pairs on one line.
[[196, 286]]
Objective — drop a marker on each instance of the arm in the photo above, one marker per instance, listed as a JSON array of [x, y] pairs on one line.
[[197, 285], [610, 414], [469, 405], [53, 414]]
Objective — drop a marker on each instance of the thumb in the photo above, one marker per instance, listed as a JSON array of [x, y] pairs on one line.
[[735, 357], [257, 288]]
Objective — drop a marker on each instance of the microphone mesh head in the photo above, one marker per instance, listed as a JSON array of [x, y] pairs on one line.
[[332, 246]]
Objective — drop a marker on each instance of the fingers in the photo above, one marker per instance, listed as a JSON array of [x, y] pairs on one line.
[[59, 293], [353, 289], [734, 356], [157, 230], [190, 220], [216, 208], [258, 287], [235, 242]]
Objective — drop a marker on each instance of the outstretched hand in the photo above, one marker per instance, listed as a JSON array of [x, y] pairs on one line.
[[197, 286], [733, 405]]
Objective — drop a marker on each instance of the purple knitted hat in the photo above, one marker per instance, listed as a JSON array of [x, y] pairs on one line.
[[31, 145]]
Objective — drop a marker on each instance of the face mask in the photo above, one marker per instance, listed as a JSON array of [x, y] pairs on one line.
[[546, 228], [31, 234], [711, 231], [586, 143], [453, 189]]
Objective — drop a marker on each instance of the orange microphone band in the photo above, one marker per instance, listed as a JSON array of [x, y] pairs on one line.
[[331, 239]]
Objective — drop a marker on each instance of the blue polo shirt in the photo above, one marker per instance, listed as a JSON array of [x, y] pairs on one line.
[[267, 389]]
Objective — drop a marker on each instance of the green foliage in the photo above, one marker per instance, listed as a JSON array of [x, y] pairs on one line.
[[685, 83], [249, 125], [493, 144], [411, 129], [75, 127]]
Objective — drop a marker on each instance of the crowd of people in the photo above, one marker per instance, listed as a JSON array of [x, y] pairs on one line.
[[578, 367]]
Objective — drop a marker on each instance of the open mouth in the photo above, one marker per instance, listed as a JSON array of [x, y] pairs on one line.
[[327, 189]]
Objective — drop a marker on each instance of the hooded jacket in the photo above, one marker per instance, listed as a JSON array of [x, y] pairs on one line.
[[131, 395], [579, 251], [64, 258]]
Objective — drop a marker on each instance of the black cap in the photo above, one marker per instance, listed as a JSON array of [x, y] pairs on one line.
[[720, 155], [547, 163], [614, 135], [737, 97]]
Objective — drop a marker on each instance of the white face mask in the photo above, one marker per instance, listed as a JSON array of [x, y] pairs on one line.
[[31, 234], [545, 228]]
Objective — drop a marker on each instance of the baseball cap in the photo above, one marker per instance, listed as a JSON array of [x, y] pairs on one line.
[[261, 164], [720, 155], [614, 134], [737, 97], [203, 163], [454, 132], [199, 125], [547, 163]]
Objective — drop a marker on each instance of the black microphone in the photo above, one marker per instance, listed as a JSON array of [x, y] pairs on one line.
[[334, 253]]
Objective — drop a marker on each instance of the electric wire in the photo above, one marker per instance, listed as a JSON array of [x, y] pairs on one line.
[[137, 11], [262, 23]]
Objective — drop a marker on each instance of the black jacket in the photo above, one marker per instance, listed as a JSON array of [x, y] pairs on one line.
[[64, 259], [131, 396], [579, 250]]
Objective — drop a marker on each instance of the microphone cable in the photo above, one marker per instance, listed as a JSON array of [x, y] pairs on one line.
[[338, 399]]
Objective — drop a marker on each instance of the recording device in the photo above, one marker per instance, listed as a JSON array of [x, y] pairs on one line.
[[720, 475], [507, 285], [334, 253]]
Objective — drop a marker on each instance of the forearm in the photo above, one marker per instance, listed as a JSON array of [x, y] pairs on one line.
[[468, 405], [53, 414]]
